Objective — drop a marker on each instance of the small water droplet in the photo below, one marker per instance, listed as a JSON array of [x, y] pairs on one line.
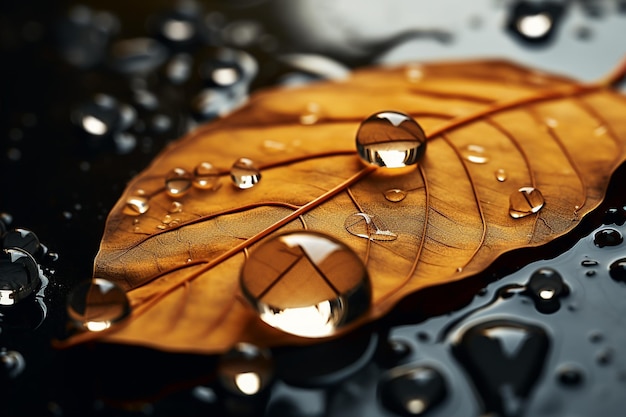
[[596, 336], [175, 207], [368, 227], [501, 175], [311, 114], [414, 72], [600, 130], [588, 263], [136, 205], [245, 370], [244, 174], [550, 122], [545, 287], [617, 270], [607, 237], [524, 202], [390, 139], [475, 154], [274, 146], [605, 356], [306, 283], [395, 195], [161, 226], [12, 364], [206, 176], [97, 304], [178, 182], [412, 391], [167, 219], [393, 351], [570, 375]]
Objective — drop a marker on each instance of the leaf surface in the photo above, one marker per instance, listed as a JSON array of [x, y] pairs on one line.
[[528, 129]]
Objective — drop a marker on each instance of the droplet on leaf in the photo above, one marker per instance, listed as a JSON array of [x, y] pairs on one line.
[[177, 182], [390, 139], [136, 205], [311, 114], [395, 195], [306, 283], [97, 304], [414, 73], [206, 176], [245, 370], [475, 154], [244, 173], [368, 227], [175, 207], [525, 201], [501, 175], [412, 391]]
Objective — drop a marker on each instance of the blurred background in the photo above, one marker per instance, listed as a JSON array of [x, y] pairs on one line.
[[148, 72]]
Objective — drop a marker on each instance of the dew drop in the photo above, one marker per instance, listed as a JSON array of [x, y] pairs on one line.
[[525, 201], [306, 283], [607, 237], [244, 174], [311, 114], [368, 227], [413, 390], [206, 176], [167, 219], [501, 175], [570, 376], [475, 154], [245, 370], [96, 305], [390, 139], [177, 182], [175, 207], [136, 205], [617, 270], [395, 195]]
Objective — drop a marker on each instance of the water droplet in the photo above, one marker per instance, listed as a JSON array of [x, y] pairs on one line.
[[545, 287], [368, 227], [24, 239], [97, 304], [570, 375], [607, 237], [501, 175], [136, 205], [12, 364], [178, 182], [175, 207], [550, 122], [20, 275], [412, 391], [504, 359], [206, 176], [311, 114], [393, 351], [605, 356], [306, 283], [475, 154], [524, 202], [588, 263], [414, 72], [617, 270], [244, 173], [614, 215], [245, 370], [179, 68], [596, 336], [137, 56], [390, 139], [395, 195]]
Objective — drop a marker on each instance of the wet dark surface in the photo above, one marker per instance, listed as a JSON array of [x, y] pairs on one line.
[[541, 339]]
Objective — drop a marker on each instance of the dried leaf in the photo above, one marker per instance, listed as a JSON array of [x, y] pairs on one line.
[[493, 128]]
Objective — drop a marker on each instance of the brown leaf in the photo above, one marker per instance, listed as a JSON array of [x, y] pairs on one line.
[[492, 128]]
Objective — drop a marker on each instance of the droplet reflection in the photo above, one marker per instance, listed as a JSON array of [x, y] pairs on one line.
[[306, 283], [390, 139]]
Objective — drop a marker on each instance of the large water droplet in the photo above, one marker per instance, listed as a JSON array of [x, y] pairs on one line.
[[244, 173], [545, 287], [306, 283], [525, 201], [178, 182], [136, 205], [475, 154], [395, 195], [369, 227], [617, 270], [390, 139], [245, 369], [412, 391], [504, 359], [24, 239], [97, 304], [206, 176], [607, 237], [20, 276]]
